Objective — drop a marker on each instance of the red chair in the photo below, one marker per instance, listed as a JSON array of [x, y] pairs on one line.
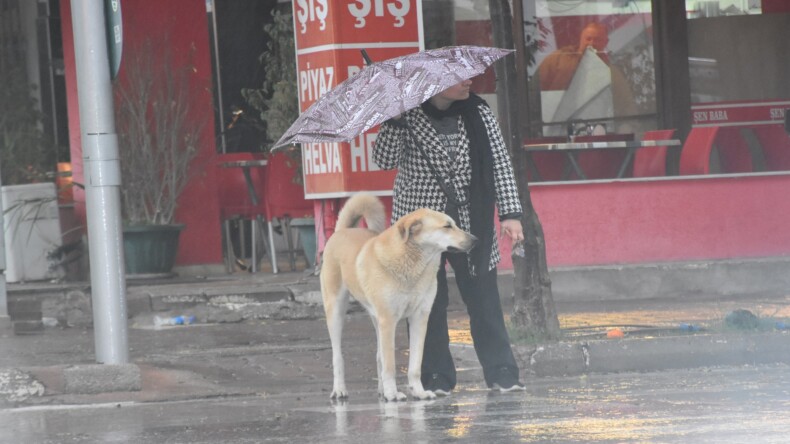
[[651, 162], [695, 155], [603, 164], [235, 201], [733, 151], [544, 165], [285, 199], [775, 144]]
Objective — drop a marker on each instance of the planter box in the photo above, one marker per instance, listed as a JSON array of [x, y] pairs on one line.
[[150, 249], [32, 231]]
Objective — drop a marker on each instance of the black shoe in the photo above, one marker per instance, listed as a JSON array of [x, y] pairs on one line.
[[506, 381], [438, 385]]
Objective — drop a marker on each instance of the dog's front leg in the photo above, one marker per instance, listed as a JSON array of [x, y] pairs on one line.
[[378, 357], [335, 308], [386, 341], [418, 326]]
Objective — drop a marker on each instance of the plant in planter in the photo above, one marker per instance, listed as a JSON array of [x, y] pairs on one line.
[[277, 101], [158, 140], [25, 156], [30, 211]]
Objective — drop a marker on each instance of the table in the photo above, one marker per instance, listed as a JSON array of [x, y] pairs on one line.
[[245, 166], [571, 149]]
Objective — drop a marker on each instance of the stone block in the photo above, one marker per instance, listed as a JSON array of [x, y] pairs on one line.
[[560, 359], [101, 378]]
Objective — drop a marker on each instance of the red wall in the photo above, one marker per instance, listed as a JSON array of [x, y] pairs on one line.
[[674, 219], [658, 220], [185, 23], [775, 6]]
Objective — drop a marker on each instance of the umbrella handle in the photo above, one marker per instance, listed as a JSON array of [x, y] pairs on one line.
[[366, 57]]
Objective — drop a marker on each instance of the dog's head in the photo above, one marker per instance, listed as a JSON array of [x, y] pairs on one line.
[[428, 228]]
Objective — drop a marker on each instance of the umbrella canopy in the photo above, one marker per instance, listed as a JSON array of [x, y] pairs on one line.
[[385, 89]]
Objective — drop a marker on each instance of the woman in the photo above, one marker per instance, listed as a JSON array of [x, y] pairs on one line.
[[451, 157]]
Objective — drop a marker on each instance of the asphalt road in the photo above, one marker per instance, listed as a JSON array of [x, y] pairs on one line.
[[739, 405], [269, 381]]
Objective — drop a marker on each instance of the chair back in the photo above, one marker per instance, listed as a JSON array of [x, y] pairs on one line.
[[651, 162], [545, 165], [285, 197], [234, 197], [775, 146], [734, 155], [695, 156], [602, 164]]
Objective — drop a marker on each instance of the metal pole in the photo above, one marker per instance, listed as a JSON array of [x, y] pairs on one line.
[[102, 182], [210, 8], [5, 320]]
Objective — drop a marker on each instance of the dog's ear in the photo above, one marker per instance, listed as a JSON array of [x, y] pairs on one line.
[[409, 228]]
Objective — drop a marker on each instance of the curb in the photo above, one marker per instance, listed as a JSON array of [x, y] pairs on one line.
[[655, 354], [91, 379], [229, 301], [17, 386], [645, 354]]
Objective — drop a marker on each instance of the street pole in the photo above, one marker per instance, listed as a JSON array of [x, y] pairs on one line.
[[102, 182], [5, 320]]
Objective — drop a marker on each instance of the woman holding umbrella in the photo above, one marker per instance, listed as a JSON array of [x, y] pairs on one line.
[[451, 157]]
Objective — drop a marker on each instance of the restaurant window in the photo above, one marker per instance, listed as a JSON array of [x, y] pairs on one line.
[[738, 50], [456, 22], [590, 67], [739, 66]]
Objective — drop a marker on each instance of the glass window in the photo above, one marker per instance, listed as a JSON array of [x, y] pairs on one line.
[[735, 56], [739, 66], [715, 8], [590, 63], [454, 22]]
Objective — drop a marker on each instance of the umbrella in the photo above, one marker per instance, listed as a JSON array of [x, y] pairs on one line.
[[385, 89]]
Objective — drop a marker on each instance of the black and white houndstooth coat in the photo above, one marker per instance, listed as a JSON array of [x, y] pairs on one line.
[[415, 185]]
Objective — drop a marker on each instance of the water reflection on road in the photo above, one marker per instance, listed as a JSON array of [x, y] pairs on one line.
[[721, 405], [705, 405]]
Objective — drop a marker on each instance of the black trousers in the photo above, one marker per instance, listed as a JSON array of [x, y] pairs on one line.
[[489, 334]]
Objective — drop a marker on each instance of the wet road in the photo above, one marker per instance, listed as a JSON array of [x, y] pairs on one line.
[[743, 405]]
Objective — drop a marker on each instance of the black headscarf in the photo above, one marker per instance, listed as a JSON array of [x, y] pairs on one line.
[[482, 194]]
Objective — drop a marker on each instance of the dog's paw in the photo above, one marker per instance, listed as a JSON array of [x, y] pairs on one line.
[[423, 394], [393, 396], [339, 394]]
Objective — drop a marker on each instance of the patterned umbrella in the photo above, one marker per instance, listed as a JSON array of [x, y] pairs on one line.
[[385, 89]]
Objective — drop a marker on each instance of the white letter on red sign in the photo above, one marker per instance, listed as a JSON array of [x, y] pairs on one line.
[[301, 14], [358, 154], [308, 12], [399, 13], [360, 12], [363, 10]]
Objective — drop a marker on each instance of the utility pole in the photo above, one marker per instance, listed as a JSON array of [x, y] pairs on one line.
[[102, 182], [5, 319]]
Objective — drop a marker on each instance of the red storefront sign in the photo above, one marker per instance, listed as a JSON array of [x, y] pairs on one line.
[[329, 35], [739, 113]]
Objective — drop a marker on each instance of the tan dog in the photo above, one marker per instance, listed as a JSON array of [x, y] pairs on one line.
[[392, 273]]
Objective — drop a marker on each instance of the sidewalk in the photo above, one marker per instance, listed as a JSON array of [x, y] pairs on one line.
[[265, 333]]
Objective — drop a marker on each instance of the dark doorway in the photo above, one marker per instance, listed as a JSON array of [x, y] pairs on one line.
[[240, 40]]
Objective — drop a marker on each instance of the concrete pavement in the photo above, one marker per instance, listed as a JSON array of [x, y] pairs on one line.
[[265, 333]]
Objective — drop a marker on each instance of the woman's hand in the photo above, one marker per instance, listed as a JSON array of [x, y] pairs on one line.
[[512, 229]]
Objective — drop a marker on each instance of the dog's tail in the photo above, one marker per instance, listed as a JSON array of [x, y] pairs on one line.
[[364, 206]]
